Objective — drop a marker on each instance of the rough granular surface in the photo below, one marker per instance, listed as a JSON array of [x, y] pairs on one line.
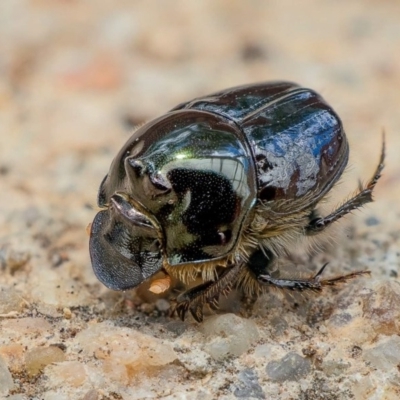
[[75, 78]]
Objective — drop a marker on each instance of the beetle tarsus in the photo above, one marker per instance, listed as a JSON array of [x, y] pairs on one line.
[[364, 196], [314, 283], [194, 299]]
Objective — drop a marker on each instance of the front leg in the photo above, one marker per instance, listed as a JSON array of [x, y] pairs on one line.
[[207, 293], [364, 196]]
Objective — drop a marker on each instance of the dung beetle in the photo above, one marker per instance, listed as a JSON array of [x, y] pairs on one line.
[[220, 187]]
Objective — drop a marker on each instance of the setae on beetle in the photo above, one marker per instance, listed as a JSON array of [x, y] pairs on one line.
[[220, 187]]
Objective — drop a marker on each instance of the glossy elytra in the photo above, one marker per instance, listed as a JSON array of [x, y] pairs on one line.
[[220, 187]]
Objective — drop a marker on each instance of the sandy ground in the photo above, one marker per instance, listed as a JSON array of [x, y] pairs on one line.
[[75, 77]]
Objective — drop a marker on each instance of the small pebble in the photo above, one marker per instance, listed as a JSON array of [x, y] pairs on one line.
[[37, 358], [381, 308], [67, 313], [292, 367], [70, 373], [10, 301], [177, 327], [6, 380], [229, 335], [340, 319], [278, 325], [198, 364], [247, 385], [125, 352], [335, 367], [13, 260], [385, 355], [91, 395], [162, 305], [322, 329], [372, 221]]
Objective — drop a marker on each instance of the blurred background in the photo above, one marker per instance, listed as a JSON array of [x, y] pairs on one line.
[[76, 76]]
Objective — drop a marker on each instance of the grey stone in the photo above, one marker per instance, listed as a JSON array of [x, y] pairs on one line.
[[385, 355], [247, 386], [162, 305], [340, 319], [371, 221], [6, 380], [279, 325], [177, 327], [292, 367], [335, 367]]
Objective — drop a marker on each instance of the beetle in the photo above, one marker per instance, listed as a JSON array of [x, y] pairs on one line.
[[220, 187]]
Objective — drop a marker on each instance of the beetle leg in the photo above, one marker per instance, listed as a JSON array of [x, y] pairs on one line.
[[314, 283], [194, 299], [364, 196]]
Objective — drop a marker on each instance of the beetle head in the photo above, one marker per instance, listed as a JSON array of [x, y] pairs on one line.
[[124, 244]]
